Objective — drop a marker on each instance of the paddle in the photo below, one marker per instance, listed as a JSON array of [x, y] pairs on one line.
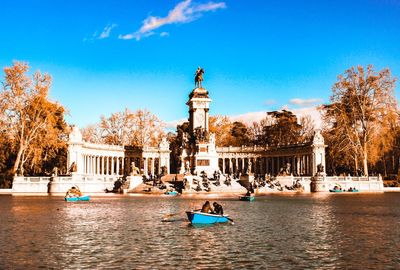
[[231, 220]]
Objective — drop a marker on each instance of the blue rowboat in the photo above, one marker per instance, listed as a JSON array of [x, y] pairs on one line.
[[171, 193], [75, 199], [247, 198], [335, 190], [196, 217]]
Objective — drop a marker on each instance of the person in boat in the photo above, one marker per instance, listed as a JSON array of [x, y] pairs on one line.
[[218, 210], [73, 192], [207, 208], [248, 193]]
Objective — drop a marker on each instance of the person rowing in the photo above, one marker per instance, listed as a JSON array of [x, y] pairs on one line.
[[207, 208], [73, 192]]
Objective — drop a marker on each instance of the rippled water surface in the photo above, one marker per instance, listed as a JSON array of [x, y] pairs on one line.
[[313, 231]]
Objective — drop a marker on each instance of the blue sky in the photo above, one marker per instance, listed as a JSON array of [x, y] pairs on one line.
[[257, 55]]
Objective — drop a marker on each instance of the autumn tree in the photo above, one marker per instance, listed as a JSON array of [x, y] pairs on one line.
[[240, 134], [221, 126], [362, 106], [32, 122], [139, 128], [284, 129], [307, 128]]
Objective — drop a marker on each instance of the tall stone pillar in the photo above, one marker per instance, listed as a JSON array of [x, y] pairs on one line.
[[318, 148], [145, 166], [102, 165], [117, 169], [107, 166], [152, 166]]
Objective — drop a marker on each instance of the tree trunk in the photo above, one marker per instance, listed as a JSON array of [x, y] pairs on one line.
[[355, 166], [18, 159], [365, 160]]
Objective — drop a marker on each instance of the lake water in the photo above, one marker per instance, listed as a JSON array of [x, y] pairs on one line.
[[307, 231]]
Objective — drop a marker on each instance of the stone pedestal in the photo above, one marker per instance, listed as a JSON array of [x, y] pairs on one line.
[[246, 179]]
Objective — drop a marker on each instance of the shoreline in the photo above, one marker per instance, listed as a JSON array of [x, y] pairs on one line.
[[193, 195]]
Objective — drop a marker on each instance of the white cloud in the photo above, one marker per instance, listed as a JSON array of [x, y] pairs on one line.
[[305, 102], [311, 111], [183, 12], [269, 102], [249, 118], [164, 34], [171, 125], [106, 31]]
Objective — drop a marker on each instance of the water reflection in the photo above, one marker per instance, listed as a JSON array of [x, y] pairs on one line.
[[286, 232]]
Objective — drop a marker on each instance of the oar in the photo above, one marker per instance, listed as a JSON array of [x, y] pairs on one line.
[[231, 220]]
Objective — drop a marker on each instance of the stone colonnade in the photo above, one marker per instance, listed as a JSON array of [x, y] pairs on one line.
[[303, 159], [115, 160], [299, 164]]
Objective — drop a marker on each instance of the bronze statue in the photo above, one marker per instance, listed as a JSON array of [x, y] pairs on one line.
[[198, 78]]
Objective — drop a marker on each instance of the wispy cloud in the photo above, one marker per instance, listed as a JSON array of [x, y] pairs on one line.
[[171, 125], [164, 34], [106, 31], [305, 102], [183, 12], [269, 102], [104, 34]]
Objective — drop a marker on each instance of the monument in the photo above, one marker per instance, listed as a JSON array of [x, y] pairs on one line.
[[198, 148]]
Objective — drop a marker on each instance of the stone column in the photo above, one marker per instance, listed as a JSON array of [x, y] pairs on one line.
[[112, 166], [102, 165], [117, 169], [108, 165], [145, 166], [152, 166], [84, 163], [272, 166], [98, 165], [89, 160], [123, 166], [223, 165]]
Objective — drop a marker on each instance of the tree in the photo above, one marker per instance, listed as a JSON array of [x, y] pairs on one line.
[[30, 118], [148, 128], [139, 128], [240, 134], [284, 129], [307, 128], [221, 126], [362, 106]]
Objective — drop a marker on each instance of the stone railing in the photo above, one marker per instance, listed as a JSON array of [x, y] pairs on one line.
[[60, 184], [361, 183]]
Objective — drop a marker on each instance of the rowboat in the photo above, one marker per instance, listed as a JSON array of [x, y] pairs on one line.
[[247, 198], [171, 193], [335, 190], [353, 190], [197, 217], [75, 199]]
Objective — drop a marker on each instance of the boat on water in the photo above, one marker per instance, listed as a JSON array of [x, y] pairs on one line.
[[173, 193], [197, 217], [247, 198], [75, 199], [336, 188]]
